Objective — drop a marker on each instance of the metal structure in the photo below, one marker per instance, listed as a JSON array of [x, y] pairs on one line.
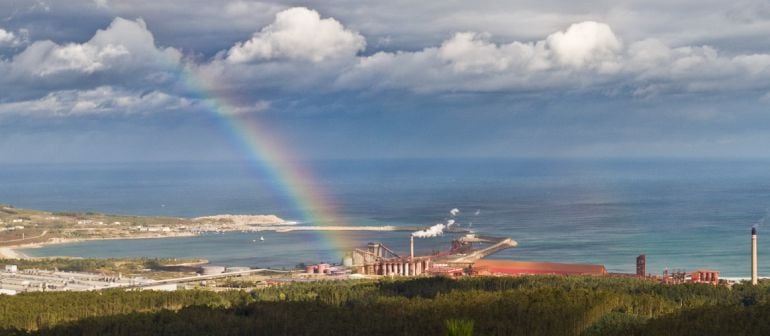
[[464, 253], [378, 259]]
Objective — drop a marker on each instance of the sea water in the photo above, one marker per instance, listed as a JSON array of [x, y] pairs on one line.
[[681, 214]]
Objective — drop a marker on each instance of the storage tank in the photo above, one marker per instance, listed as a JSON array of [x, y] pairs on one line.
[[347, 261], [323, 268], [310, 268], [211, 270]]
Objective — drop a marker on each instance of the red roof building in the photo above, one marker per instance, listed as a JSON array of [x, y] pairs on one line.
[[506, 267], [705, 276]]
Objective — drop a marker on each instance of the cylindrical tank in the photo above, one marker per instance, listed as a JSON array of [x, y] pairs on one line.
[[323, 268], [347, 261], [310, 268]]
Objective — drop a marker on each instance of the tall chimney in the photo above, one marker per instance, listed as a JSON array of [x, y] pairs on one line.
[[411, 246], [753, 256], [641, 267]]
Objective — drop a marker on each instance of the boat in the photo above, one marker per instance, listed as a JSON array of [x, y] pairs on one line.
[[261, 238]]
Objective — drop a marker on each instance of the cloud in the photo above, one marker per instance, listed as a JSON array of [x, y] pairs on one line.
[[301, 52], [585, 44], [299, 33], [123, 54], [587, 56], [11, 39], [258, 106], [124, 45], [101, 100], [6, 37], [471, 62]]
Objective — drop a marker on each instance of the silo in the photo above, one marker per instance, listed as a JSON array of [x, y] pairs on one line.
[[347, 261]]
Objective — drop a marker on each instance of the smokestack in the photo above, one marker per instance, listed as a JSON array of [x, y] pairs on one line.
[[411, 245], [753, 256]]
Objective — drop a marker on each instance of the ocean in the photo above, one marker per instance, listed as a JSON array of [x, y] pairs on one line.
[[683, 214]]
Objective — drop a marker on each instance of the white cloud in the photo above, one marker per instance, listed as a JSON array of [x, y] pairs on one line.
[[302, 52], [11, 39], [299, 33], [585, 44], [585, 56], [101, 100], [123, 46], [259, 106], [6, 37]]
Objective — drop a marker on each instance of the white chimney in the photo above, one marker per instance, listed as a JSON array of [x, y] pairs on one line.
[[411, 245], [753, 256]]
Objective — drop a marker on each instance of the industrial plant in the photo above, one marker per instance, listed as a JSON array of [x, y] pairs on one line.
[[464, 257]]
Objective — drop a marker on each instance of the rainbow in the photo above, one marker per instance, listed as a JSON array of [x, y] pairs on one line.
[[264, 151]]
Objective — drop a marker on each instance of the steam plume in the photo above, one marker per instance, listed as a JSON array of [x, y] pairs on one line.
[[433, 231], [454, 212]]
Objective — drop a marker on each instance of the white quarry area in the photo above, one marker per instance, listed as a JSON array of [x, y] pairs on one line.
[[245, 219]]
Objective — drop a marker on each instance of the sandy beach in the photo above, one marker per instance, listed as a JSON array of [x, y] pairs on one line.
[[9, 252], [12, 251]]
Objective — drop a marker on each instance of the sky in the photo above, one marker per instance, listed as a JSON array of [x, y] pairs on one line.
[[145, 80]]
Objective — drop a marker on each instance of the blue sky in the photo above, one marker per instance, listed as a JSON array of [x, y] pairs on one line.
[[101, 80]]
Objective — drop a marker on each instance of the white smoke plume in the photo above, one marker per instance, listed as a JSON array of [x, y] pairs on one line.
[[433, 231], [450, 222], [454, 212]]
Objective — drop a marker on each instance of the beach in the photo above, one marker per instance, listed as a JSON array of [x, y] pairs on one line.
[[9, 252], [12, 251]]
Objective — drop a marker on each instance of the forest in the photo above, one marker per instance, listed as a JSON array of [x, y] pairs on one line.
[[532, 305]]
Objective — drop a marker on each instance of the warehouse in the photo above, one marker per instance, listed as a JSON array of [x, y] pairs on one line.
[[508, 267]]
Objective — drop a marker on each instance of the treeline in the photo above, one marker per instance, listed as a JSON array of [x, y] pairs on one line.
[[31, 311], [542, 305]]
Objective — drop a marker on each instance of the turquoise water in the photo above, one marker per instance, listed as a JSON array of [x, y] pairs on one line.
[[681, 214]]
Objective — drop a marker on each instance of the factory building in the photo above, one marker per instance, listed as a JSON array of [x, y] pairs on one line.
[[507, 267], [378, 259], [705, 276]]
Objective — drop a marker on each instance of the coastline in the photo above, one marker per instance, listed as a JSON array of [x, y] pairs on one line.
[[12, 251], [284, 228]]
